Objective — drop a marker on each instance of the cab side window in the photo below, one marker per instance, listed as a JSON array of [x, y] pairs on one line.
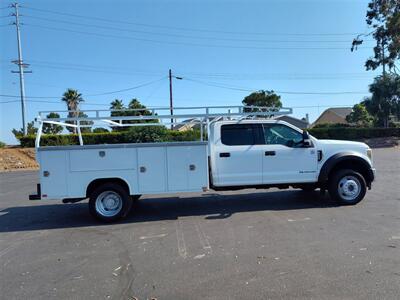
[[238, 134], [279, 134]]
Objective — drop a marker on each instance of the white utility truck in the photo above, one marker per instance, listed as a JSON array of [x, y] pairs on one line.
[[246, 147]]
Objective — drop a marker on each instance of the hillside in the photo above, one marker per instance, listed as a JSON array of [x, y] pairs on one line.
[[12, 159]]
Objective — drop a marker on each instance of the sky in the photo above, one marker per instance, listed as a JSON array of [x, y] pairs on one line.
[[222, 49]]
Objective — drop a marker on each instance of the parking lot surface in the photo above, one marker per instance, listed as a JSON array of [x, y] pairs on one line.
[[251, 244]]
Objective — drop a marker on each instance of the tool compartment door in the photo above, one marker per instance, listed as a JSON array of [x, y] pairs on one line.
[[187, 168], [53, 171], [152, 169]]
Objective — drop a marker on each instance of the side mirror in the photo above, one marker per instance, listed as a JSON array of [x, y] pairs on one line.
[[306, 139]]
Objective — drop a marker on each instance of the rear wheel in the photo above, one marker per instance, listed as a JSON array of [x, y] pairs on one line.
[[347, 186], [109, 202]]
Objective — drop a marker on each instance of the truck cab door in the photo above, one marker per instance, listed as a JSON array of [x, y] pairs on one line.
[[237, 156], [285, 158]]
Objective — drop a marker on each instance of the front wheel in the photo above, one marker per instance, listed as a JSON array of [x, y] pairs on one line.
[[347, 187], [109, 202]]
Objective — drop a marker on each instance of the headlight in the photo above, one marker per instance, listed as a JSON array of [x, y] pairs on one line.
[[369, 154]]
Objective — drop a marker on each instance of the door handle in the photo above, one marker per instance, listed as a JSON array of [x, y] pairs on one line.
[[225, 154], [270, 153]]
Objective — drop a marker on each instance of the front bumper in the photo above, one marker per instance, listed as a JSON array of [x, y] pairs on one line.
[[38, 194]]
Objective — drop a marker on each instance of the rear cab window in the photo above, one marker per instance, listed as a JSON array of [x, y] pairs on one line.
[[241, 134]]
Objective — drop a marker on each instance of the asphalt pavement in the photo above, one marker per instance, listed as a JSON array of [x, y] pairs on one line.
[[251, 244]]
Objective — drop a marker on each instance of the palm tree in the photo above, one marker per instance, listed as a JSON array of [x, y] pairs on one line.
[[117, 104], [72, 98]]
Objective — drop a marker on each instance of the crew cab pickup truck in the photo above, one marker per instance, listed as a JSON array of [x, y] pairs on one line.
[[239, 154]]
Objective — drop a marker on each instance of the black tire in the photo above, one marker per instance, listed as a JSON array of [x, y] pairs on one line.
[[308, 188], [347, 187], [116, 194], [135, 197]]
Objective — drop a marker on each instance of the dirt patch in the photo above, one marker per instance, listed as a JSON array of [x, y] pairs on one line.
[[12, 159]]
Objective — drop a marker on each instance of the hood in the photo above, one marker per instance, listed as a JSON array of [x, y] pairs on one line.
[[344, 144]]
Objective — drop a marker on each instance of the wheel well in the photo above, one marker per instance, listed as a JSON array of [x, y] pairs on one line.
[[98, 182], [352, 164]]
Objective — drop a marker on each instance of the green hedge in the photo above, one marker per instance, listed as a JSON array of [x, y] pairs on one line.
[[353, 133], [162, 134], [134, 135]]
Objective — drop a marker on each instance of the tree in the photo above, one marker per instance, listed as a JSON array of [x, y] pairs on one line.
[[263, 98], [143, 111], [135, 108], [72, 98], [100, 130], [52, 128], [384, 17], [30, 129], [385, 99], [84, 123], [360, 115], [117, 104]]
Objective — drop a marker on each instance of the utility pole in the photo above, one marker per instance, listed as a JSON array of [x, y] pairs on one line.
[[21, 66], [171, 106]]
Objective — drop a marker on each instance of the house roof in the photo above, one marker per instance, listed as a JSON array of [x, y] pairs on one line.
[[294, 121], [341, 112], [187, 124]]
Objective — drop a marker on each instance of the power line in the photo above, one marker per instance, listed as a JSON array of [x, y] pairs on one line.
[[186, 43], [233, 76], [182, 28], [52, 102], [11, 101], [228, 77], [128, 89], [85, 66], [119, 29], [108, 68], [83, 69], [89, 95], [31, 97], [219, 85], [278, 76]]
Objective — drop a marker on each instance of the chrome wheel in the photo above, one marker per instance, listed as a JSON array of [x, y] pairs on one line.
[[349, 188], [108, 203]]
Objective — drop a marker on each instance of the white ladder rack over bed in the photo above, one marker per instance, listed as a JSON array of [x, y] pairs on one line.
[[201, 115]]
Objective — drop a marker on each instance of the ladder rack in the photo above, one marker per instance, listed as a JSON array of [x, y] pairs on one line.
[[161, 116]]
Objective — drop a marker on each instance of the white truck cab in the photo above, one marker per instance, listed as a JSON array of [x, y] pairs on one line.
[[240, 153]]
